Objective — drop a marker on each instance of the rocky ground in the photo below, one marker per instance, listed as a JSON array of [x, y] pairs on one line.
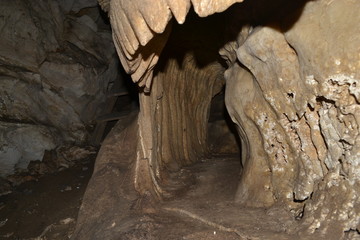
[[206, 209], [43, 202], [44, 205]]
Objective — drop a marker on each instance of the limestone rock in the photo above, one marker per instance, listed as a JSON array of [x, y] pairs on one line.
[[22, 143], [55, 71], [328, 52], [291, 88], [305, 113]]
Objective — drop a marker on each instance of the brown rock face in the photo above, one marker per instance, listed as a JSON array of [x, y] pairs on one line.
[[299, 100], [173, 117], [291, 88]]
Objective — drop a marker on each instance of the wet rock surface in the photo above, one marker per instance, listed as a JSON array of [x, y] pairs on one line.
[[43, 206]]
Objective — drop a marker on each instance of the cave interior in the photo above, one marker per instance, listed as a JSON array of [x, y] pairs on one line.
[[240, 122]]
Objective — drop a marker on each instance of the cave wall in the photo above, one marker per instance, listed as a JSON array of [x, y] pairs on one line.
[[169, 132], [291, 88], [56, 62], [298, 111], [182, 128], [173, 119]]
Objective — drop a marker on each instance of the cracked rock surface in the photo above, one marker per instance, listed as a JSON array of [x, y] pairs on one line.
[[301, 83]]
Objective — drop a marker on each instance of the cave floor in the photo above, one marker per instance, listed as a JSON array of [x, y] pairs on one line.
[[47, 208], [207, 211]]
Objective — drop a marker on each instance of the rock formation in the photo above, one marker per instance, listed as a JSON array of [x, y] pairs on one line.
[[56, 63], [290, 72], [291, 88], [301, 84]]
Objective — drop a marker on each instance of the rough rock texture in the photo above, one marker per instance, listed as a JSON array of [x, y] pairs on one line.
[[298, 97], [330, 68], [54, 72], [292, 90]]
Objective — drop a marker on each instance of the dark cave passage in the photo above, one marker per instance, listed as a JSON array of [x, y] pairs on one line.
[[222, 135], [241, 124]]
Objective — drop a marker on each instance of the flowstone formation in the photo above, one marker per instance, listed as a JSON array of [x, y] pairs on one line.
[[291, 87], [56, 63]]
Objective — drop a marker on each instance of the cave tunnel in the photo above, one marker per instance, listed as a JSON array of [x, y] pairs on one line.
[[179, 119]]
